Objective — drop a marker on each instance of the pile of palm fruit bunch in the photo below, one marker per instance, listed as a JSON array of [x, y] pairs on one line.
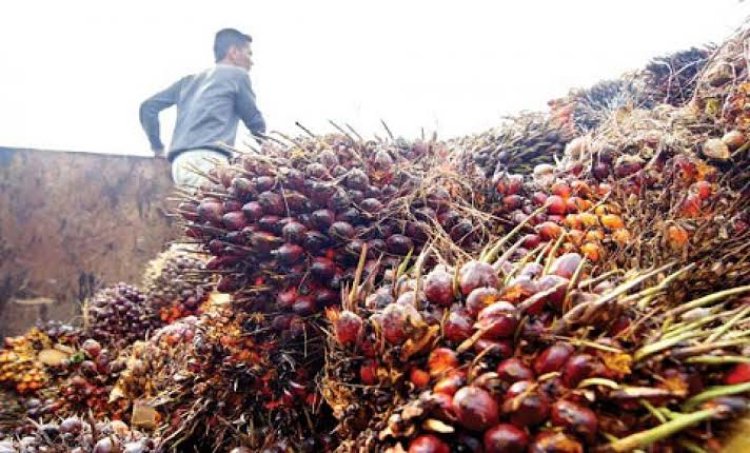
[[177, 284], [576, 280], [80, 435]]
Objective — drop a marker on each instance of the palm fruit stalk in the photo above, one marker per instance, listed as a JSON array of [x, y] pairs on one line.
[[518, 354], [177, 284]]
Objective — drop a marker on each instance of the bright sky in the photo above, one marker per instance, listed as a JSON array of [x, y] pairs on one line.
[[76, 71]]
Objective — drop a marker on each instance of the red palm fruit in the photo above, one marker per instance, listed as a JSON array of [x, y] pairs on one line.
[[476, 274], [323, 269], [703, 189], [525, 404], [498, 320], [677, 237], [394, 323], [92, 348], [547, 282], [738, 375], [560, 189], [458, 326], [285, 299], [211, 210], [442, 360], [475, 408], [368, 372], [497, 348], [519, 289], [553, 358], [304, 305], [514, 370], [450, 383], [289, 254], [347, 327], [578, 368], [565, 265], [539, 198], [188, 211], [399, 244], [575, 418], [443, 406], [554, 442], [229, 283], [232, 205], [556, 205], [515, 184], [548, 230], [438, 288], [531, 241], [505, 438], [580, 188], [428, 443], [481, 298], [420, 378], [512, 202]]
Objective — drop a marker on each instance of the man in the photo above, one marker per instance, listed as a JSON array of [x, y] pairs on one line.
[[209, 106]]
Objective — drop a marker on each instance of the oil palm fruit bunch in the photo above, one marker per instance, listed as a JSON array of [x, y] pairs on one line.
[[293, 220], [517, 146], [77, 435], [177, 284], [119, 315], [525, 355], [230, 381], [20, 368], [672, 79], [592, 106], [89, 379]]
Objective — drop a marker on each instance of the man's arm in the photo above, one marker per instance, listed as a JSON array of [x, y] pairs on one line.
[[149, 114], [246, 108]]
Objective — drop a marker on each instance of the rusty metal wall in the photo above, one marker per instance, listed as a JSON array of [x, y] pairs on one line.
[[71, 222]]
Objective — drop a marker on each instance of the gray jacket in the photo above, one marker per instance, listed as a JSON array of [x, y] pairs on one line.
[[209, 106]]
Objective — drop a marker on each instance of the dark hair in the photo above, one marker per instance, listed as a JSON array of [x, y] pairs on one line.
[[227, 38]]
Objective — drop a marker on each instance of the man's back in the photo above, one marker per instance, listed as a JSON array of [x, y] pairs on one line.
[[209, 106]]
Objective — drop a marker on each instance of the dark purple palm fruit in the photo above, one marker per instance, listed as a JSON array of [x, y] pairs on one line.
[[328, 158], [289, 254], [476, 274], [322, 219], [293, 179], [316, 242], [575, 418], [398, 244], [234, 220], [326, 297], [294, 232], [438, 198], [577, 368], [295, 201], [264, 183], [341, 231], [265, 242], [252, 211], [558, 286], [339, 200], [438, 288], [525, 404], [357, 180], [272, 203], [320, 192], [475, 408], [188, 210], [417, 231], [119, 315], [505, 438], [480, 298], [351, 216], [323, 269], [317, 171], [462, 232], [371, 206], [375, 248]]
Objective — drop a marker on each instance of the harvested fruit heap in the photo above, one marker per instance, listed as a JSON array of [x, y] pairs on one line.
[[547, 358], [577, 280], [176, 284]]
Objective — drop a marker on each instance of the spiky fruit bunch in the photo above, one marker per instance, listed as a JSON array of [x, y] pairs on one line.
[[119, 315], [517, 146], [672, 79], [177, 284], [20, 368], [545, 357], [76, 435]]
